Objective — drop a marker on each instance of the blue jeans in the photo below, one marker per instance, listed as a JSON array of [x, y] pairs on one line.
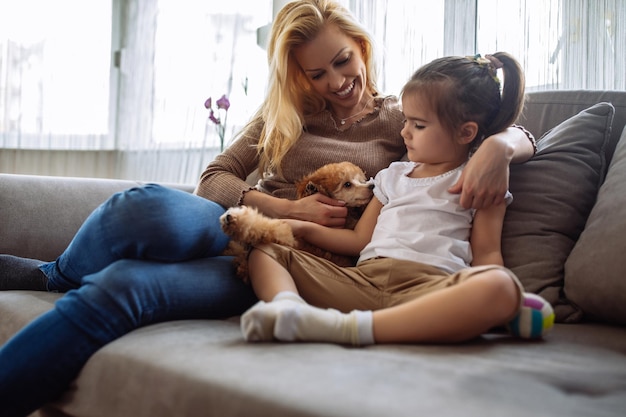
[[146, 255]]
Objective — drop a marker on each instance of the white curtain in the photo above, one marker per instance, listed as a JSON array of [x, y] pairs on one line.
[[117, 87], [562, 44], [176, 54], [407, 34], [54, 88], [592, 44]]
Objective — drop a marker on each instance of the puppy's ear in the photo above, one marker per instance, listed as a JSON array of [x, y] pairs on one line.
[[317, 185], [320, 186]]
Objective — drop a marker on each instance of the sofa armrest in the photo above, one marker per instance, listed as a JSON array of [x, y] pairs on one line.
[[41, 214]]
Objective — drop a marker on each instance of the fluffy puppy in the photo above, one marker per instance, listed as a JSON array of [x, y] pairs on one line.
[[342, 181], [247, 227]]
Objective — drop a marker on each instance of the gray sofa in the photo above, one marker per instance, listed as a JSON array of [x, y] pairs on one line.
[[564, 235]]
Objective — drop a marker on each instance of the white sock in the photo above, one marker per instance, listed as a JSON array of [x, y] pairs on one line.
[[257, 324], [305, 323]]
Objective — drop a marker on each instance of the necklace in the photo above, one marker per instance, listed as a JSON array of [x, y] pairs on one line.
[[343, 121]]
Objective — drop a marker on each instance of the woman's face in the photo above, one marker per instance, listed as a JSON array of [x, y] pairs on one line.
[[333, 63]]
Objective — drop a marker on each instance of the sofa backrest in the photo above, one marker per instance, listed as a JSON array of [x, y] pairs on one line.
[[41, 214], [546, 109]]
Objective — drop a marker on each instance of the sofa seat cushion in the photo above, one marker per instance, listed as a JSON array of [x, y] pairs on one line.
[[204, 368], [200, 368], [553, 194]]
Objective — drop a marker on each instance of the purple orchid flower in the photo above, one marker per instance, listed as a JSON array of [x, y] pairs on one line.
[[214, 119], [223, 102]]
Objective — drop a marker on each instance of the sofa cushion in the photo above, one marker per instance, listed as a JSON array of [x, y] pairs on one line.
[[204, 368], [594, 279], [553, 194]]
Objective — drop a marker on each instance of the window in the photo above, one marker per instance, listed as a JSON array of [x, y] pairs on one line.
[[407, 34], [54, 74], [174, 55], [119, 85], [529, 30], [562, 44], [206, 49]]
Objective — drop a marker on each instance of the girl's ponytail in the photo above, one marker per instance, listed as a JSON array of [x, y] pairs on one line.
[[512, 92]]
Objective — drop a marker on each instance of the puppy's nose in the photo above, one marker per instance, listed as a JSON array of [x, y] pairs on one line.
[[371, 186]]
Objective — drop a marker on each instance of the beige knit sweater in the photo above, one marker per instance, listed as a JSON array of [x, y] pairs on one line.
[[372, 143]]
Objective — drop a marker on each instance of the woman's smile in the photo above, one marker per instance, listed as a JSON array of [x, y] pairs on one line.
[[346, 91]]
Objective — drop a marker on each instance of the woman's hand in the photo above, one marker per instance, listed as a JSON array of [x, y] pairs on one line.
[[484, 181], [315, 208], [319, 209]]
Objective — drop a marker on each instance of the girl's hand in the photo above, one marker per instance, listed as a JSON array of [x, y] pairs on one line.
[[298, 227], [319, 209]]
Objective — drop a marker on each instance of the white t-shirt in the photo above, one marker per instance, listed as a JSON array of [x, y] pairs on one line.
[[420, 220]]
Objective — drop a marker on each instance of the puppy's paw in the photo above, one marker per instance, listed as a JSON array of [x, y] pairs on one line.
[[231, 222], [247, 225]]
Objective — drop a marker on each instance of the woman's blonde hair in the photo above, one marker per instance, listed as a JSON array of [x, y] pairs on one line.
[[290, 96]]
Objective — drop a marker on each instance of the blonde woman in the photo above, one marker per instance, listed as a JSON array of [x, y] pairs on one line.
[[151, 254]]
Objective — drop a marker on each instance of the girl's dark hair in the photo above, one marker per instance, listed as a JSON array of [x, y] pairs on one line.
[[462, 89]]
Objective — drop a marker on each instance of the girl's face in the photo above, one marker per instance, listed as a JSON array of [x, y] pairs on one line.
[[426, 139], [333, 63]]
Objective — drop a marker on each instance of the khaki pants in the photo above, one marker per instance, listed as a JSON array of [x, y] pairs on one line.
[[372, 285]]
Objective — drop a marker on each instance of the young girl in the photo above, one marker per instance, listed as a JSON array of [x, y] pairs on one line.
[[429, 269]]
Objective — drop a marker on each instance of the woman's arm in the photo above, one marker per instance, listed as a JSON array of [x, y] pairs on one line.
[[224, 179], [224, 182], [340, 241], [485, 179], [486, 236]]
